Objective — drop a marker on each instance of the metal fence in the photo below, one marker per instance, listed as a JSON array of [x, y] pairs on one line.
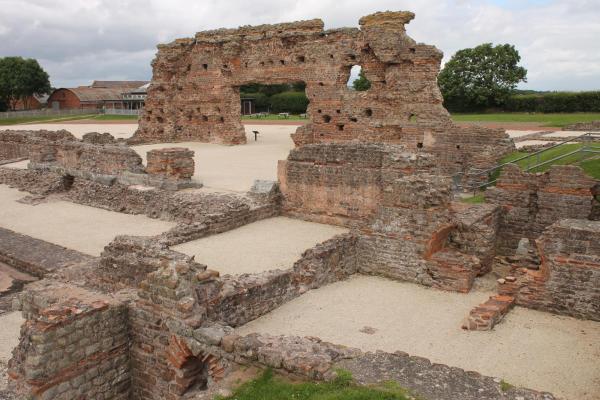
[[117, 111], [47, 113]]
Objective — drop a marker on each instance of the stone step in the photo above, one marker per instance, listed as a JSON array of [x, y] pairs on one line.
[[486, 315]]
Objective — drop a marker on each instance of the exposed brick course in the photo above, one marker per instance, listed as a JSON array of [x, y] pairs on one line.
[[73, 345], [568, 281], [532, 202]]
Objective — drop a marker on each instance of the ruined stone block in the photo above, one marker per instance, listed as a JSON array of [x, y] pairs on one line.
[[175, 163]]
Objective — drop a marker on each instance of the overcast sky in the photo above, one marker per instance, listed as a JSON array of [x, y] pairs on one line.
[[78, 41]]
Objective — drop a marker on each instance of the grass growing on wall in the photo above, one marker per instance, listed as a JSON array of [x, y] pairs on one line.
[[268, 387]]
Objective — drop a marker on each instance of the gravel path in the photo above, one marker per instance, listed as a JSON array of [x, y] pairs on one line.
[[532, 349], [78, 227], [274, 243]]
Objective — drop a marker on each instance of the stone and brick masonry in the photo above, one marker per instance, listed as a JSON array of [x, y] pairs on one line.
[[75, 344], [194, 94], [568, 281], [532, 202], [16, 145]]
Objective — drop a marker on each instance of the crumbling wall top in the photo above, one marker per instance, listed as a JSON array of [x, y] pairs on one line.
[[391, 19]]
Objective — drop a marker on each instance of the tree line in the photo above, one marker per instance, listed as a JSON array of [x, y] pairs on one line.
[[476, 79], [21, 78]]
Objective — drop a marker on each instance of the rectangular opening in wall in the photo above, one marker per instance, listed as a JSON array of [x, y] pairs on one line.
[[286, 99]]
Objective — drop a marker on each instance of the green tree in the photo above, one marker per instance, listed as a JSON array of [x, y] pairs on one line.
[[21, 78], [481, 77], [361, 83]]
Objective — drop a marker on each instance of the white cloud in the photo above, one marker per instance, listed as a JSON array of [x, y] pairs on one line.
[[78, 41]]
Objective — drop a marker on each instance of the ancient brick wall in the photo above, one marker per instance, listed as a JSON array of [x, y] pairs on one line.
[[343, 184], [568, 281], [79, 158], [180, 301], [171, 163], [74, 344], [194, 93], [237, 300], [16, 145], [417, 236], [197, 213], [532, 202]]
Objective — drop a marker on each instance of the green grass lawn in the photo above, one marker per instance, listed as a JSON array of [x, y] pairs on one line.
[[48, 118], [268, 387], [274, 117], [105, 117], [555, 120], [590, 166]]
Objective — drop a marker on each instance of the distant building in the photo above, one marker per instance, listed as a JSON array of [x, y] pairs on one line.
[[99, 95], [118, 84], [135, 98], [35, 102]]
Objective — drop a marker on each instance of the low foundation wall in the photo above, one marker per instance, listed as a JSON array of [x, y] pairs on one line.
[[199, 213], [74, 344], [182, 300], [568, 281], [15, 145], [532, 202]]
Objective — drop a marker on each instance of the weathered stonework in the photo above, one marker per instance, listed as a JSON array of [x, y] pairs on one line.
[[583, 126], [98, 138], [343, 184], [532, 202], [75, 344], [35, 256], [16, 145], [194, 93], [568, 281], [175, 163], [416, 236]]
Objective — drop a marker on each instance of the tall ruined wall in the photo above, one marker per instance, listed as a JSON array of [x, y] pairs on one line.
[[568, 281], [532, 202], [194, 93]]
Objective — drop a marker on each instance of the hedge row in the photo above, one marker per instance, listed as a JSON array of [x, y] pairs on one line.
[[554, 102], [292, 102]]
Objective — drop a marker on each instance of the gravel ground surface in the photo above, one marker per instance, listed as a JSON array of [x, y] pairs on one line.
[[82, 228], [529, 348], [234, 168], [274, 243]]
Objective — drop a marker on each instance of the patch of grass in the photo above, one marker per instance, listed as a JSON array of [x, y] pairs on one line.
[[45, 118], [269, 387], [554, 120], [274, 117], [477, 199], [109, 117], [505, 386], [590, 166]]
